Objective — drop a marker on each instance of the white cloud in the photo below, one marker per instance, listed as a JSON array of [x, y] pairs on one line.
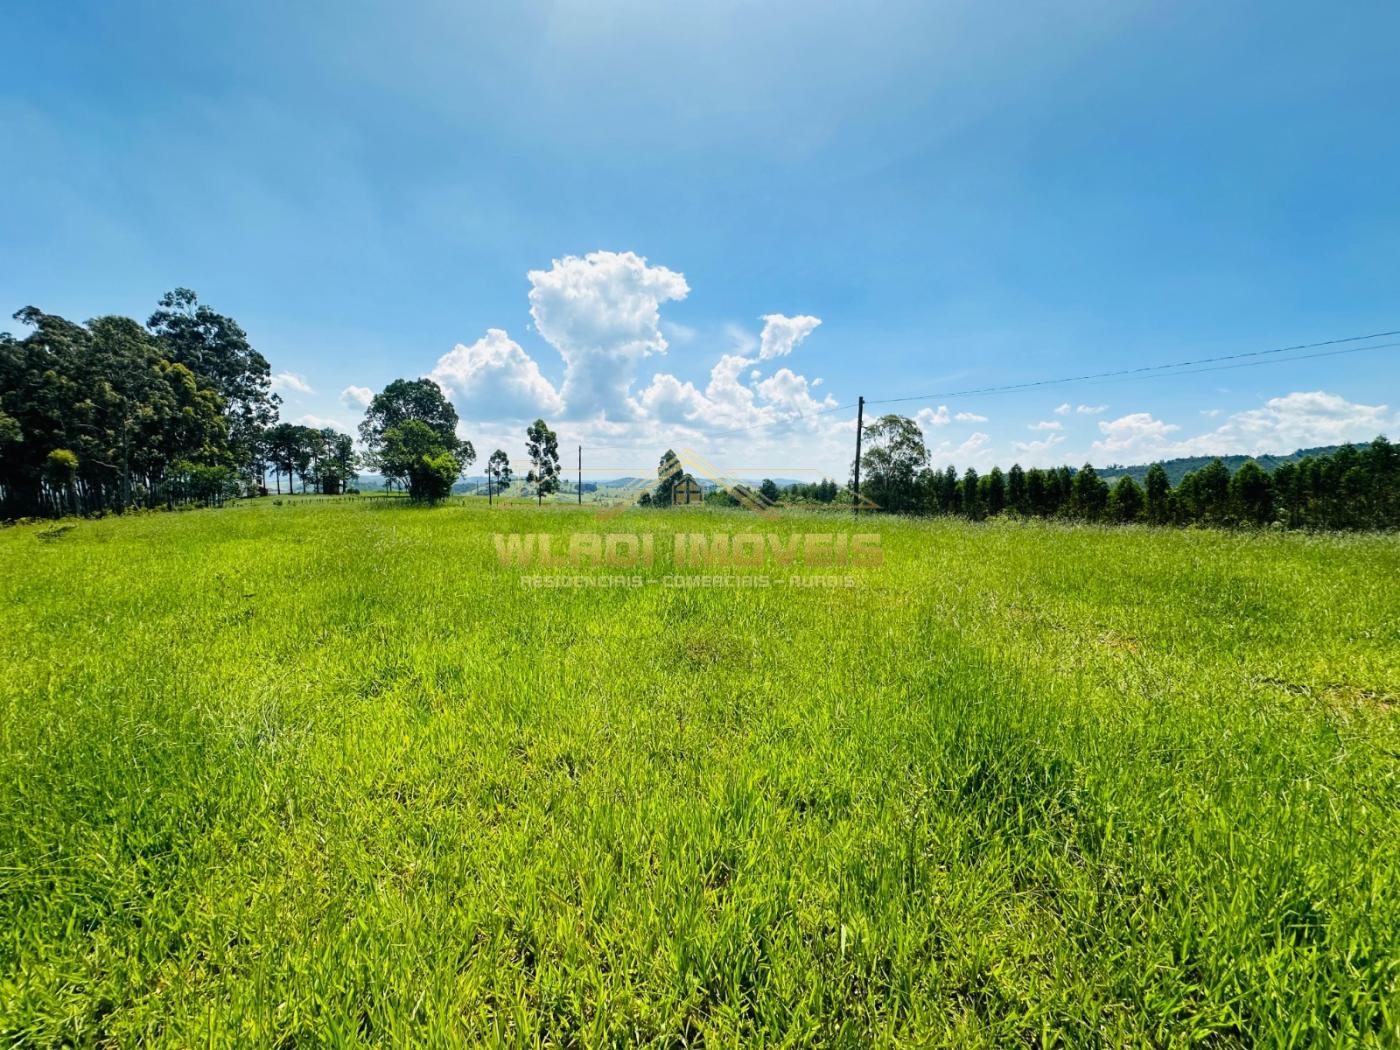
[[976, 443], [495, 378], [977, 451], [1046, 424], [1062, 410], [728, 402], [601, 312], [1283, 424], [669, 400], [1037, 452], [790, 393], [322, 422], [1210, 413], [1133, 437], [1294, 421], [1091, 410], [356, 396], [782, 334], [284, 382], [927, 417]]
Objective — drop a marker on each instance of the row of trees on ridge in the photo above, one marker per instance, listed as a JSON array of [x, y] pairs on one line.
[[1353, 488]]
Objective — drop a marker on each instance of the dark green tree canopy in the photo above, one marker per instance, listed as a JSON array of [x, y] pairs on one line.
[[216, 349], [431, 477], [1088, 494], [1125, 501], [1251, 495], [1352, 488], [418, 401], [893, 456], [104, 393], [405, 399], [414, 451]]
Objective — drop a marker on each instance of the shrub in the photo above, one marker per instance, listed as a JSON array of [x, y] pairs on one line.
[[430, 478]]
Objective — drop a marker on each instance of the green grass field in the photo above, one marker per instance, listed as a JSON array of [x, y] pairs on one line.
[[324, 773]]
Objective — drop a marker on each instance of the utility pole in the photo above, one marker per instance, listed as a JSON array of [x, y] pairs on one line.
[[580, 475], [860, 425]]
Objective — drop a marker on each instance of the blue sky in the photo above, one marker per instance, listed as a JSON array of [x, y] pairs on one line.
[[962, 195]]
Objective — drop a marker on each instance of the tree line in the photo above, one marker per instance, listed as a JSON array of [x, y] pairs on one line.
[[1356, 487], [114, 414]]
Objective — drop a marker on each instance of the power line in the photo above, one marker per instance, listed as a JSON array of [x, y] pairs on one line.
[[1143, 369], [1147, 370], [1300, 357], [798, 417], [1152, 371]]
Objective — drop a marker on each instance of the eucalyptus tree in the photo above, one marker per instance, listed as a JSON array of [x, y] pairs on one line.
[[993, 491], [282, 448], [1158, 496], [1016, 490], [668, 473], [341, 461], [1251, 495], [1088, 494], [216, 349], [497, 473], [104, 393], [542, 446], [1125, 501]]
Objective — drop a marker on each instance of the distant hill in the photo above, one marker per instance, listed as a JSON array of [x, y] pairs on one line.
[[1178, 468]]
